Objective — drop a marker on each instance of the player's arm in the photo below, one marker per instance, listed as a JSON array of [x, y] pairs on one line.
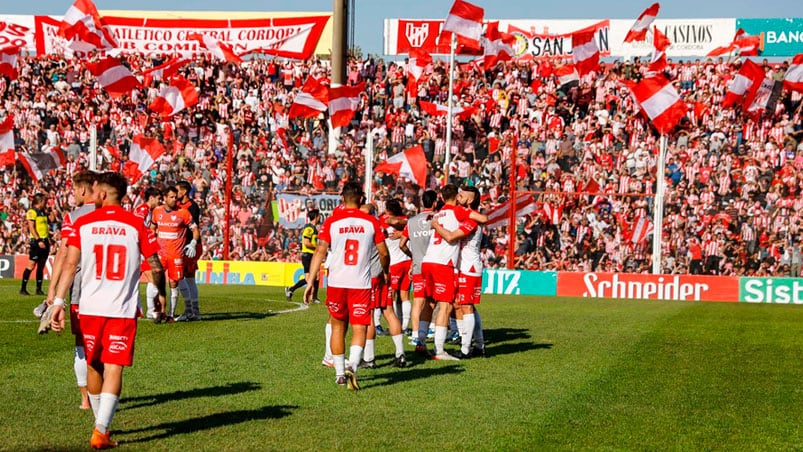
[[478, 217], [384, 257], [71, 260], [449, 236], [315, 268], [403, 246], [56, 272], [397, 223]]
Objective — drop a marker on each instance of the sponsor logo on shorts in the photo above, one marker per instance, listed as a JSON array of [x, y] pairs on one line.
[[360, 311], [440, 289], [89, 342], [118, 347]]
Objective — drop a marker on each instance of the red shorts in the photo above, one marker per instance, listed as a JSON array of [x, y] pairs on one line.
[[469, 289], [439, 281], [418, 286], [109, 340], [173, 266], [144, 266], [400, 275], [191, 263], [75, 324], [351, 304], [380, 294]]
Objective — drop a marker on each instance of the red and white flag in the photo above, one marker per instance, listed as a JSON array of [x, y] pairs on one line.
[[499, 215], [143, 153], [747, 45], [744, 85], [115, 78], [175, 97], [465, 21], [7, 153], [343, 103], [83, 25], [585, 51], [567, 75], [638, 32], [164, 70], [766, 98], [552, 213], [8, 62], [660, 43], [433, 109], [642, 229], [311, 101], [496, 46], [218, 48], [793, 80], [417, 64], [412, 164], [660, 101], [39, 164]]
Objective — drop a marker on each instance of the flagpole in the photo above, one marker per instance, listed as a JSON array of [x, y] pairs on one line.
[[227, 208], [453, 47], [658, 209], [369, 166], [511, 222], [93, 148]]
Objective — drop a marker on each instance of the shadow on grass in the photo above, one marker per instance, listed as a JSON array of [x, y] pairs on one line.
[[217, 316], [516, 347], [214, 391], [209, 422], [505, 334], [368, 380]]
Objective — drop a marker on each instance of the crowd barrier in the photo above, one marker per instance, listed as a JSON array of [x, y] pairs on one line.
[[521, 282]]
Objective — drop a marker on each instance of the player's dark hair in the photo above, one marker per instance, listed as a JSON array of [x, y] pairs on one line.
[[394, 207], [115, 181], [184, 185], [352, 192], [312, 214], [170, 189], [85, 178], [152, 192], [38, 199], [475, 203], [428, 199], [449, 192]]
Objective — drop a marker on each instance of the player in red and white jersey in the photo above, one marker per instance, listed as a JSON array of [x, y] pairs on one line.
[[107, 244], [350, 237], [170, 223], [192, 253], [438, 267], [153, 197], [469, 279], [83, 184], [393, 222]]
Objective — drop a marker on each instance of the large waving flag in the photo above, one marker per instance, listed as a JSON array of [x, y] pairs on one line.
[[419, 59], [218, 48], [143, 153], [465, 21], [83, 25], [496, 46], [8, 61], [343, 103], [567, 76], [39, 164], [744, 85], [638, 32], [498, 216], [164, 70], [660, 43], [793, 80], [7, 153], [412, 164], [585, 51], [660, 101], [113, 76], [642, 229], [174, 98], [311, 101]]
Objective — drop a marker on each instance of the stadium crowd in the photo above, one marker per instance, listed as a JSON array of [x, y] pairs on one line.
[[733, 203]]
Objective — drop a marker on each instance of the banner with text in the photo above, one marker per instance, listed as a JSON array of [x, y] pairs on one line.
[[7, 266], [279, 274], [782, 37], [293, 208], [518, 282], [291, 37], [645, 286], [771, 290]]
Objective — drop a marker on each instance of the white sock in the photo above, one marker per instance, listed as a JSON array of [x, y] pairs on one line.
[[479, 338], [151, 292], [378, 317], [340, 365], [423, 327], [328, 334], [94, 402], [79, 364], [459, 323], [173, 302], [467, 333], [369, 353], [108, 405], [398, 341], [440, 339], [407, 308], [355, 356]]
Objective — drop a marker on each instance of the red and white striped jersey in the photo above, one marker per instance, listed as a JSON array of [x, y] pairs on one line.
[[352, 236], [440, 251]]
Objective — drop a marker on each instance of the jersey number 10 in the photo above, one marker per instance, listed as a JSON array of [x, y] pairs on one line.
[[110, 261]]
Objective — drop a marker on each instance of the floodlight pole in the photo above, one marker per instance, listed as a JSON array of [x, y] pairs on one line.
[[339, 59], [452, 47], [369, 166], [658, 208]]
